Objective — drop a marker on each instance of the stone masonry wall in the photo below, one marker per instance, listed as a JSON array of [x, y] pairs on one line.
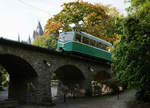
[[46, 63]]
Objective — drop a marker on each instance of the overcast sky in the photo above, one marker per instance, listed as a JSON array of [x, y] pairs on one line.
[[21, 16]]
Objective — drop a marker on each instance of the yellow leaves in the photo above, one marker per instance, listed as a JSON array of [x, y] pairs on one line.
[[85, 3], [91, 18], [82, 2], [110, 48], [52, 27], [88, 30], [98, 27], [93, 14], [99, 17], [109, 39], [102, 27], [102, 37], [113, 12], [46, 32]]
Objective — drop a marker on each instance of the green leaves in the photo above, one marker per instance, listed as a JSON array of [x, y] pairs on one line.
[[3, 75], [139, 8], [45, 42], [132, 53]]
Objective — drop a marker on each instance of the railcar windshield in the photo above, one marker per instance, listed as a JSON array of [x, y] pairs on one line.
[[66, 36]]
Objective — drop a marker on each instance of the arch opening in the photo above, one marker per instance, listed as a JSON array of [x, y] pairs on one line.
[[21, 74], [69, 79], [69, 74]]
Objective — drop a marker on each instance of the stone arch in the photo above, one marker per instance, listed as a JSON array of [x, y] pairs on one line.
[[69, 73], [72, 80], [21, 74]]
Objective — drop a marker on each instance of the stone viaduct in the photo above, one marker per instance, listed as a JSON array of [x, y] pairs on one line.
[[29, 65]]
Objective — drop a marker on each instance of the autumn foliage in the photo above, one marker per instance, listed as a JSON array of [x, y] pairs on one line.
[[94, 19]]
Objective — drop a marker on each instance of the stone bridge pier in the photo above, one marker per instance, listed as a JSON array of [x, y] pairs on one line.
[[29, 78]]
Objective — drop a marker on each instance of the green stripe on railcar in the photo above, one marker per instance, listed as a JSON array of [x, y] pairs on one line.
[[86, 49]]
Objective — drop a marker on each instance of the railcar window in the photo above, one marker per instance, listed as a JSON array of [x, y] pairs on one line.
[[85, 40], [102, 46], [78, 38], [96, 44], [92, 42]]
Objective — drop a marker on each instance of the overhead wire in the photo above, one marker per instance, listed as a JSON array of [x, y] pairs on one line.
[[32, 6]]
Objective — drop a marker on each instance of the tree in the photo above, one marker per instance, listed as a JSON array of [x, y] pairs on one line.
[[45, 42], [3, 77], [132, 54], [94, 19], [139, 7]]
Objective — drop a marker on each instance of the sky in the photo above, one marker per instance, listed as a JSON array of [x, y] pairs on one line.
[[20, 17]]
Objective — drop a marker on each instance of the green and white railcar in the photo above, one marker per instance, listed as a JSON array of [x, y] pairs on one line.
[[84, 43]]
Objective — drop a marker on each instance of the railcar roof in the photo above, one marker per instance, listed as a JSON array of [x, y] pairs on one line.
[[91, 37]]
